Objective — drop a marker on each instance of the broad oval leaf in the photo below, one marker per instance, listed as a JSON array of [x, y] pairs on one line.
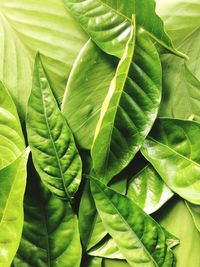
[[50, 234], [148, 190], [55, 155], [173, 149], [129, 108], [12, 184], [195, 212], [29, 26], [12, 140], [108, 22], [86, 89], [140, 239]]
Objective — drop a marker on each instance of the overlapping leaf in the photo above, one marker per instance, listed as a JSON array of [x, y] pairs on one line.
[[173, 150], [195, 212], [52, 144], [12, 184], [108, 22], [129, 108], [29, 26], [148, 190], [50, 234], [140, 239], [11, 140]]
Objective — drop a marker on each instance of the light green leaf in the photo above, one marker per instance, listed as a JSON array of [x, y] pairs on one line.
[[86, 89], [115, 263], [55, 155], [29, 26], [181, 17], [12, 140], [195, 212], [50, 234], [12, 184], [173, 149], [107, 248], [148, 190], [140, 239], [129, 108], [175, 217], [108, 22]]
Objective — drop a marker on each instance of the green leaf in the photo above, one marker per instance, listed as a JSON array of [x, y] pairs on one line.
[[139, 238], [29, 26], [181, 17], [116, 263], [173, 149], [107, 248], [93, 262], [108, 22], [12, 184], [55, 155], [129, 108], [86, 89], [175, 217], [148, 190], [12, 140], [195, 212], [50, 234]]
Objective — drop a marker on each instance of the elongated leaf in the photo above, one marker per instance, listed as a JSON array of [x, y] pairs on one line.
[[52, 144], [175, 217], [129, 109], [50, 234], [195, 212], [148, 190], [29, 26], [140, 239], [173, 150], [86, 89], [12, 184], [108, 22], [12, 140]]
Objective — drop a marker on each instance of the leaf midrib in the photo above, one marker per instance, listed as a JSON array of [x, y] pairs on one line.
[[129, 226], [174, 151]]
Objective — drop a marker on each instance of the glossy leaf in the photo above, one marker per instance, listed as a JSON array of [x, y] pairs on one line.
[[50, 234], [86, 89], [107, 248], [11, 140], [29, 26], [108, 22], [12, 184], [175, 217], [173, 149], [129, 108], [55, 155], [195, 212], [140, 239], [148, 190]]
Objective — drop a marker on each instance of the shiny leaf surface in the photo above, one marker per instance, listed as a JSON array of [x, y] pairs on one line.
[[139, 238], [173, 150], [29, 26], [11, 137], [108, 22], [50, 234], [129, 108], [148, 190], [12, 184], [86, 89], [55, 155]]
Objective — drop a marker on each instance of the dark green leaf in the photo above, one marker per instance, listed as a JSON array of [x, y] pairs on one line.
[[55, 155]]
